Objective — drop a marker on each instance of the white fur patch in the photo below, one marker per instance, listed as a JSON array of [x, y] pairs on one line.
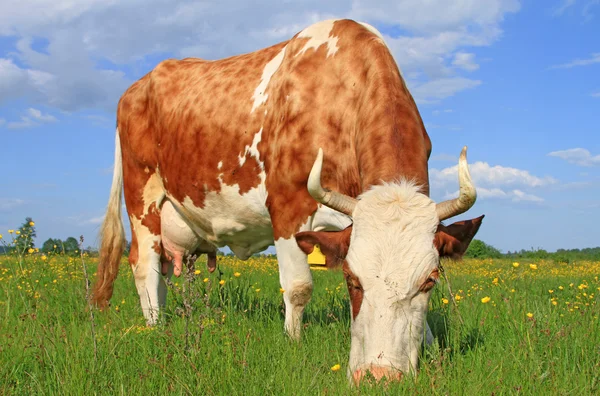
[[153, 191], [245, 226], [319, 34], [260, 96], [253, 150]]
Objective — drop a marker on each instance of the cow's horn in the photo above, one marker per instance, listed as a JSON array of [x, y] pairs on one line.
[[334, 200], [467, 196]]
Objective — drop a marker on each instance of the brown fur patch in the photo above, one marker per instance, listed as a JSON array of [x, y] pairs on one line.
[[355, 290], [453, 240], [152, 219]]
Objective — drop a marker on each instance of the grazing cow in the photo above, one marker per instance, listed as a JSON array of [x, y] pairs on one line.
[[230, 145]]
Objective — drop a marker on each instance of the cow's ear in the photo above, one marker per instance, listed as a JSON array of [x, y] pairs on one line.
[[453, 240], [333, 244]]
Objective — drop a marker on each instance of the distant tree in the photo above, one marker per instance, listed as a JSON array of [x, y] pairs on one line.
[[71, 246], [52, 245], [127, 249], [26, 235], [91, 251], [480, 249]]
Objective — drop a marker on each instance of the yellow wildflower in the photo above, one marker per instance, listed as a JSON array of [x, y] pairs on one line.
[[485, 300], [205, 280], [512, 290], [336, 367], [0, 236], [533, 266], [529, 315], [122, 302], [11, 231], [30, 250], [257, 290], [550, 291], [222, 282], [44, 257], [236, 274], [458, 297], [495, 281], [445, 300], [560, 288], [197, 272], [554, 303], [282, 290], [18, 232], [31, 223], [516, 265]]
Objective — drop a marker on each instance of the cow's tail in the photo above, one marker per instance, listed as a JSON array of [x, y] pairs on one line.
[[112, 236]]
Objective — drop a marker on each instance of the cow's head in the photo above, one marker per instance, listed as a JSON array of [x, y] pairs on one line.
[[390, 257]]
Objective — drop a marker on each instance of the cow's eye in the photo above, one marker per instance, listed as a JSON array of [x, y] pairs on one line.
[[430, 282]]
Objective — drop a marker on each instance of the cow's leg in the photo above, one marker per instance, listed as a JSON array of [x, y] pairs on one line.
[[146, 269], [296, 281], [145, 256]]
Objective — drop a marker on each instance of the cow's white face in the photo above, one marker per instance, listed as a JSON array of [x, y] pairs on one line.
[[390, 268]]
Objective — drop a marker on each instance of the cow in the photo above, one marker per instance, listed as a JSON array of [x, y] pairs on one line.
[[312, 141]]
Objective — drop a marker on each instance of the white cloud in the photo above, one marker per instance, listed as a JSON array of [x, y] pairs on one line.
[[465, 60], [25, 122], [563, 7], [433, 91], [10, 203], [577, 156], [519, 195], [443, 157], [497, 193], [33, 118], [38, 116], [438, 112], [80, 47], [586, 9], [94, 220], [595, 94], [490, 176], [492, 182], [595, 58], [437, 15]]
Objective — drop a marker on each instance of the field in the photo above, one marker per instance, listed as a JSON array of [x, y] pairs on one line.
[[528, 328]]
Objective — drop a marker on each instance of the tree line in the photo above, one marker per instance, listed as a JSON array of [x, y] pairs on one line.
[[481, 250], [23, 242]]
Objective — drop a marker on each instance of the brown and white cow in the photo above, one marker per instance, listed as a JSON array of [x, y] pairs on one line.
[[229, 145]]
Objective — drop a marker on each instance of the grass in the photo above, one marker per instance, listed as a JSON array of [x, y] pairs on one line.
[[228, 339]]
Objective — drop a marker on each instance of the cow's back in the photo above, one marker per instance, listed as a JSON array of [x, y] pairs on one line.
[[254, 122]]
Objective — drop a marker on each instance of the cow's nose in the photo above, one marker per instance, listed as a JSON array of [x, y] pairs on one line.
[[378, 373]]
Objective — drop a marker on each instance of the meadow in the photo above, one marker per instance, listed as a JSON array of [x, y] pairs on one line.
[[513, 328]]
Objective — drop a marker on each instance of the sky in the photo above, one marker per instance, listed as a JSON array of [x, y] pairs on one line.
[[518, 82]]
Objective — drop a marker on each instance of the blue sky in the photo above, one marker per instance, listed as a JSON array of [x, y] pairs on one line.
[[516, 81]]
